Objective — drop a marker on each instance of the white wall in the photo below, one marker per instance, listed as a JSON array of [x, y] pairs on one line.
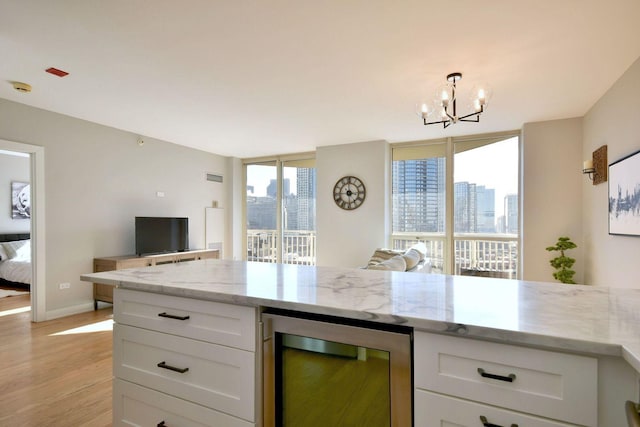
[[348, 238], [12, 168], [97, 180], [552, 195], [613, 121], [233, 239]]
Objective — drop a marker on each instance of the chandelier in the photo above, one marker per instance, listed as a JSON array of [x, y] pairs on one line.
[[443, 109]]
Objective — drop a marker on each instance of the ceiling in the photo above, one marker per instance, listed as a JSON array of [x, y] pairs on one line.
[[251, 78]]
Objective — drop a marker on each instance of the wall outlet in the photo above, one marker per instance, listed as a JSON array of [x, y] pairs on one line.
[[65, 285]]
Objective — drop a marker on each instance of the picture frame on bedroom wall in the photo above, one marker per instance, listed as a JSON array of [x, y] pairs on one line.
[[20, 200]]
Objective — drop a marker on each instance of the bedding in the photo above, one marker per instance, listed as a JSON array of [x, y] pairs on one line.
[[15, 262]]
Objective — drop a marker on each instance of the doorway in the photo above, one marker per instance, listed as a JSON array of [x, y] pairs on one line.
[[36, 162]]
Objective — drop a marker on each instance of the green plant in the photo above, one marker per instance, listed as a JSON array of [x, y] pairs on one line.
[[563, 263]]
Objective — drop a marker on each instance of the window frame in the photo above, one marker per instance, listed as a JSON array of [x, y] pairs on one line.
[[279, 162], [450, 237]]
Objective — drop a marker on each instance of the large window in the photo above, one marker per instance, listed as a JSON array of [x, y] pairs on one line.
[[281, 211], [460, 197]]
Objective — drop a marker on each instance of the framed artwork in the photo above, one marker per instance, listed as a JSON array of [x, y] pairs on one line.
[[20, 200], [624, 196]]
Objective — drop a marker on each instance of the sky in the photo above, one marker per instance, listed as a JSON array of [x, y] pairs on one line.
[[494, 166]]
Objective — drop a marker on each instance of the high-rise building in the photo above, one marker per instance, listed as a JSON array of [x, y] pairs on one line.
[[465, 211], [306, 198], [511, 213], [272, 188], [486, 209], [419, 195], [261, 213]]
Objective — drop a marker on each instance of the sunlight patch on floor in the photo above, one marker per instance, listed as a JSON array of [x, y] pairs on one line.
[[105, 325], [15, 311]]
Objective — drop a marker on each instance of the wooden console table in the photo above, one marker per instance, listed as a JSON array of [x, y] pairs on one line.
[[104, 293]]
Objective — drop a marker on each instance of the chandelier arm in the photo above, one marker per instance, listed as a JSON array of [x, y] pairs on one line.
[[475, 117], [476, 114], [435, 123]]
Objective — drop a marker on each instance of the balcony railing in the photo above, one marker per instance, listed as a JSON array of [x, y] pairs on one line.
[[478, 255], [299, 246], [481, 255]]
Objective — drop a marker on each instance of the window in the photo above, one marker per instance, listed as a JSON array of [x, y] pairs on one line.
[[467, 214], [281, 211], [419, 196]]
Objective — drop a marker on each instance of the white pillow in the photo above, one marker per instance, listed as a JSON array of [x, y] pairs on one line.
[[23, 253], [3, 254], [11, 248], [412, 257], [397, 263]]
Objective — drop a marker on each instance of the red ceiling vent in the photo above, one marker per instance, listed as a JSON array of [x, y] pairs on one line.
[[56, 72]]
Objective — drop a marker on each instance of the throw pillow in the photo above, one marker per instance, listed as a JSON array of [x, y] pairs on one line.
[[11, 248], [421, 248], [396, 263], [412, 257], [381, 255]]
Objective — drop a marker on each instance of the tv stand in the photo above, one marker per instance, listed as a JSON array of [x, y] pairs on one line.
[[104, 293]]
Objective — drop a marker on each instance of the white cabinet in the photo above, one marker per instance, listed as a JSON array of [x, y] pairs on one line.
[[197, 356], [134, 405], [547, 384], [434, 409]]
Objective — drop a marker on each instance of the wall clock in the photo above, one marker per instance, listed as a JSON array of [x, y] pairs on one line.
[[349, 193]]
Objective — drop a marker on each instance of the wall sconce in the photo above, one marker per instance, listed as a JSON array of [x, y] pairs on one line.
[[588, 169], [596, 167]]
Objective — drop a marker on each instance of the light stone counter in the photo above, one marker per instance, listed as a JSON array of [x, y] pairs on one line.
[[595, 320]]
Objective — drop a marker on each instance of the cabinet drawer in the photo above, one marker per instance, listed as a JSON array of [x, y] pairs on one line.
[[209, 321], [549, 384], [214, 376], [134, 405], [436, 410]]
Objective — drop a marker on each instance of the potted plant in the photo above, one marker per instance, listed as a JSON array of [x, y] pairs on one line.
[[563, 263]]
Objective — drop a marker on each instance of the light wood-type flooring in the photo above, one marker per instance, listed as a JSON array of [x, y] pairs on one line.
[[54, 373], [324, 390]]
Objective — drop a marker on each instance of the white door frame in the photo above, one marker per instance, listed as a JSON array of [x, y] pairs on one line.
[[38, 288]]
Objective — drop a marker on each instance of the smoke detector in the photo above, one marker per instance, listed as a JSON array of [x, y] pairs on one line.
[[22, 87]]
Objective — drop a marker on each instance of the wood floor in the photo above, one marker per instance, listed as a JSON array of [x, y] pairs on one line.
[[324, 390], [50, 373]]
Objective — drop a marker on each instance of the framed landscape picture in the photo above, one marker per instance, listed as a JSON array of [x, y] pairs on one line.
[[624, 196]]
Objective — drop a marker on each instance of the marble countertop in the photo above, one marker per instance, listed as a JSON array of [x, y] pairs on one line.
[[595, 320]]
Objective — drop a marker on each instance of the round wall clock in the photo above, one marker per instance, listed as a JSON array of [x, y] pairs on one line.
[[349, 192]]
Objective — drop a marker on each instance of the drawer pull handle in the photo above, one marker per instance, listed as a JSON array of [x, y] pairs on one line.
[[486, 423], [485, 374], [163, 365], [173, 316]]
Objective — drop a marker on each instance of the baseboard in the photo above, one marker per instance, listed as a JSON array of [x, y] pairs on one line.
[[68, 311]]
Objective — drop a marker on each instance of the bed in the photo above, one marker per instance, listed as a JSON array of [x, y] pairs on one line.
[[15, 262]]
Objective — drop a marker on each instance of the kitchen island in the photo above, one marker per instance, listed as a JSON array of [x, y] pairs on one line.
[[599, 326]]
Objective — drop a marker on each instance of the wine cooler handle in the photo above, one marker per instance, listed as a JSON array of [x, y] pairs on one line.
[[486, 423], [163, 365], [173, 316], [485, 374]]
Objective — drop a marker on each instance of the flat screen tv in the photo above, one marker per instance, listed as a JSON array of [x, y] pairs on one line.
[[155, 235]]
